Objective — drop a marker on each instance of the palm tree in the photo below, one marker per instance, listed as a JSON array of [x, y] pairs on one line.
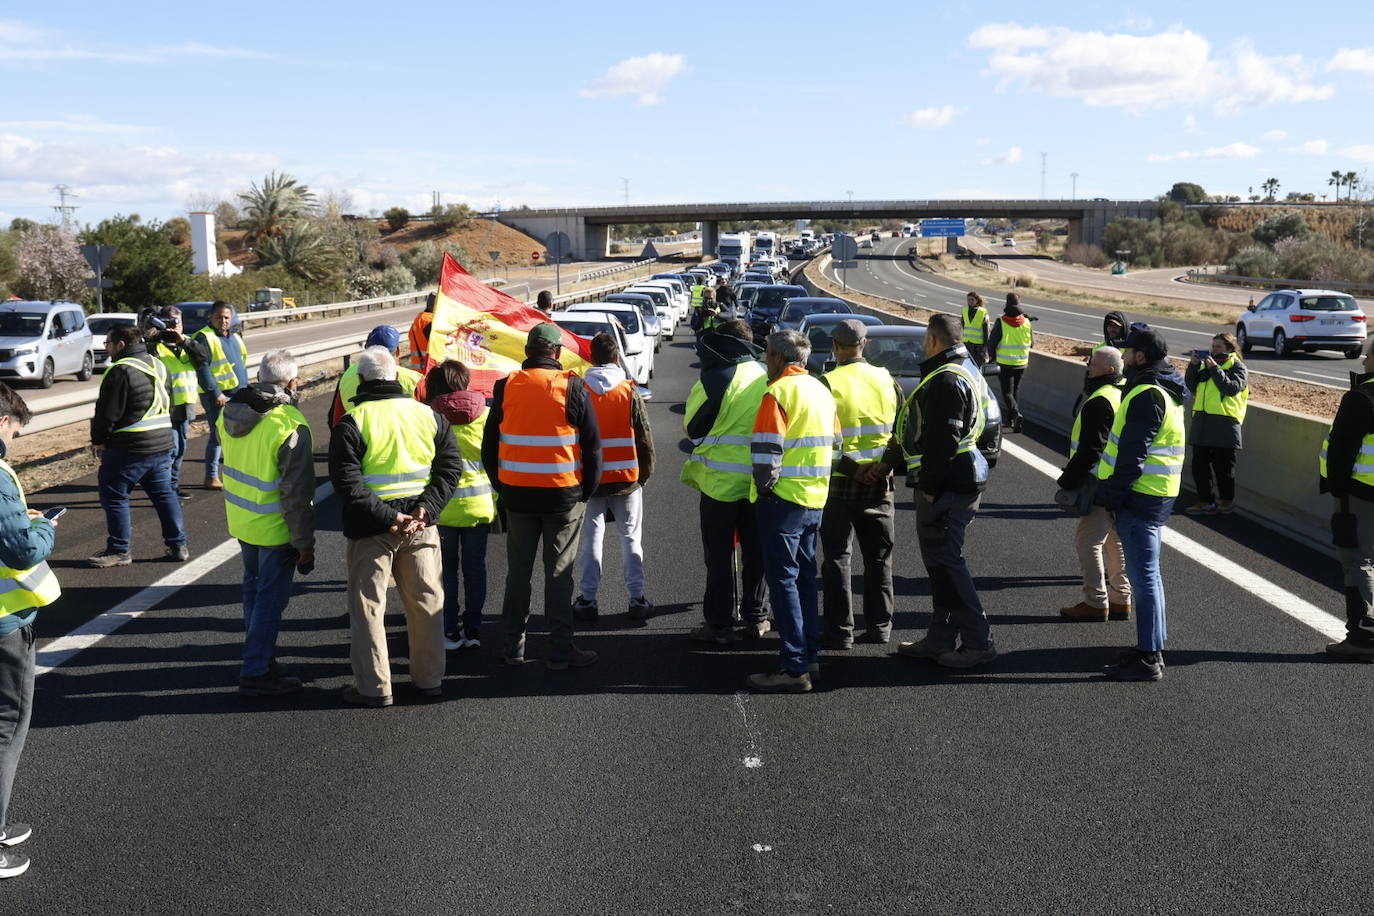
[[1271, 187], [301, 249], [1351, 179], [270, 208], [1337, 179]]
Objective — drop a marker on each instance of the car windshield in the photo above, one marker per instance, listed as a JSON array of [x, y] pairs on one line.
[[771, 300], [899, 355], [796, 310], [630, 320], [644, 305], [584, 329], [820, 338], [21, 324], [101, 326], [1327, 304]]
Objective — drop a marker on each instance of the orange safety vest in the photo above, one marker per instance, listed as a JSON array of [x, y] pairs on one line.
[[619, 460], [538, 447]]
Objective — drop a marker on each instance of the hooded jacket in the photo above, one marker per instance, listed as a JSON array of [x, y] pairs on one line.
[[1107, 338], [719, 354], [295, 458], [938, 416], [1354, 420], [1144, 416], [460, 407], [601, 380], [125, 396], [1016, 321], [1094, 426]]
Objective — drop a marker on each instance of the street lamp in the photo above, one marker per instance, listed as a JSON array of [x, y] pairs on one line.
[[1074, 176]]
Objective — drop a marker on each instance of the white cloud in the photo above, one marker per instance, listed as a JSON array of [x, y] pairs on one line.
[[72, 123], [934, 118], [22, 44], [1275, 135], [644, 77], [1235, 150], [1011, 156], [1315, 147], [1136, 72], [1190, 124], [1361, 153], [1353, 60]]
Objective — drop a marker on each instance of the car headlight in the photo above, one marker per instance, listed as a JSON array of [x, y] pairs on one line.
[[25, 351]]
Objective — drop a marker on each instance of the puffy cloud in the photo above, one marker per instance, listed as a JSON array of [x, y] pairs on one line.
[[1141, 71], [1237, 150], [1315, 147], [1353, 60], [644, 77], [934, 118], [1275, 135], [1011, 156]]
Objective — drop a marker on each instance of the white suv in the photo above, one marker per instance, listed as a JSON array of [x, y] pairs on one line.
[[1303, 319], [40, 340]]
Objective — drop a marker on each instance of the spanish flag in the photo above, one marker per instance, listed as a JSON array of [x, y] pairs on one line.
[[486, 329]]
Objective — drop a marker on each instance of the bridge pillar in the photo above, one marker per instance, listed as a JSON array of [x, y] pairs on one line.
[[598, 242], [710, 238], [1076, 232]]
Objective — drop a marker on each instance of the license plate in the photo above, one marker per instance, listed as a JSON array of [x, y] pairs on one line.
[[1334, 320]]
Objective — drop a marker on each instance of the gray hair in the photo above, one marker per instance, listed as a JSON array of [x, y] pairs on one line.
[[791, 346], [1110, 357], [277, 368], [377, 363]]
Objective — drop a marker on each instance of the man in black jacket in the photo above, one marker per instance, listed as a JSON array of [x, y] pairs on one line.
[[1352, 432], [394, 464], [936, 439], [1106, 590], [542, 505], [132, 428]]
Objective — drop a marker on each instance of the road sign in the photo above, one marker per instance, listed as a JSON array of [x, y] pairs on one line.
[[942, 228], [494, 255], [558, 245], [101, 282], [844, 248], [534, 255], [98, 256]]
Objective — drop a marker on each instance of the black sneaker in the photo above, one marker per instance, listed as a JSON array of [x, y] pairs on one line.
[[756, 629], [872, 638], [640, 608], [837, 642], [573, 658], [1134, 665], [353, 697], [268, 685], [709, 634], [178, 553], [12, 864], [584, 610], [183, 495], [107, 558]]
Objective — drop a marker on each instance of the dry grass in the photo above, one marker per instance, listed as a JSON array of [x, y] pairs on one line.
[[1335, 221]]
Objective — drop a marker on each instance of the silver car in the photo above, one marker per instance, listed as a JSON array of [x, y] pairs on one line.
[[40, 340]]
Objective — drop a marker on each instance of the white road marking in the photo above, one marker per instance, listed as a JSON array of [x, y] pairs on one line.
[[759, 847], [62, 649], [752, 760], [1325, 378], [1300, 609]]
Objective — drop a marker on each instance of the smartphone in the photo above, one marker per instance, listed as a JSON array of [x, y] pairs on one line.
[[53, 515]]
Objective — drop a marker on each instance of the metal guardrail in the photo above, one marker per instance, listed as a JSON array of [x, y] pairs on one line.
[[305, 312], [1197, 276], [611, 271]]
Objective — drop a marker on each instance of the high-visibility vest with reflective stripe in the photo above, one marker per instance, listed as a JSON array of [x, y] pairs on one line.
[[1209, 398], [159, 412], [697, 292], [1111, 393], [399, 435], [807, 443], [1162, 472], [252, 478], [974, 325], [220, 366], [619, 460], [719, 465], [538, 447], [472, 502], [1013, 347], [969, 441], [181, 370], [21, 589], [350, 380], [1363, 471], [866, 402]]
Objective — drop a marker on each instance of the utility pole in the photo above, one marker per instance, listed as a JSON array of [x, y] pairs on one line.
[[1074, 176], [1044, 159], [435, 205], [64, 210]]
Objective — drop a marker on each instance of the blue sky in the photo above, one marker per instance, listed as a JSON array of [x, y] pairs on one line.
[[552, 104]]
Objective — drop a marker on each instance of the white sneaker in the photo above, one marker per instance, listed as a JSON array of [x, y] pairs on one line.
[[12, 864]]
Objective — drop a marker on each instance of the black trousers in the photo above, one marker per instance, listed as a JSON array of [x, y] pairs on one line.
[[1010, 378], [721, 605], [870, 523], [1209, 461]]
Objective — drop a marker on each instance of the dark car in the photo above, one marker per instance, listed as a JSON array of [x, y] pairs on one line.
[[817, 330], [798, 308], [196, 315], [767, 306]]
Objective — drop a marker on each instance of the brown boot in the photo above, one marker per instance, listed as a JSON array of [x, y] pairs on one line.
[[1083, 611], [1118, 611], [213, 484]]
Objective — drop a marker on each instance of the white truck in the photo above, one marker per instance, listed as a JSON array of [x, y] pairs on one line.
[[734, 246], [766, 244]]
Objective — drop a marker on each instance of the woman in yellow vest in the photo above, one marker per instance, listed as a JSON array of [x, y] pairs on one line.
[[466, 520], [1010, 344], [975, 321], [1221, 390]]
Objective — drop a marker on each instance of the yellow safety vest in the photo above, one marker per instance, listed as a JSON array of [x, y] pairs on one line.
[[181, 370], [1014, 346], [1162, 473], [969, 441], [974, 325], [697, 293], [807, 444], [472, 502], [350, 380], [252, 478], [220, 367], [1363, 472], [159, 412], [719, 465], [866, 402], [21, 589], [399, 434], [1209, 398], [1112, 393]]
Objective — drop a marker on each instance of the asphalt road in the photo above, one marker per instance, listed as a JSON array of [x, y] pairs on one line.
[[1034, 786], [884, 271]]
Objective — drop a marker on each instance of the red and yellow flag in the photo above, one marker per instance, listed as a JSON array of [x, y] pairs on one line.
[[486, 329]]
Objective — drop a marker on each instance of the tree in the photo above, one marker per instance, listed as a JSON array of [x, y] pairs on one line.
[[1286, 225], [178, 230], [270, 208], [19, 224], [426, 259], [1185, 192], [397, 218], [1337, 180], [454, 216], [301, 250], [147, 269], [51, 265], [1271, 187], [1351, 179]]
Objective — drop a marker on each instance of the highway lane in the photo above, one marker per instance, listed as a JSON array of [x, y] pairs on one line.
[[895, 788], [885, 271]]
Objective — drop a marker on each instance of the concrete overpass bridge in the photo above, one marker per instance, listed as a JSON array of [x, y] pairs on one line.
[[589, 227]]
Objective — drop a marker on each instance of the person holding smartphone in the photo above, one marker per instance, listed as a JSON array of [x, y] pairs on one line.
[[26, 540], [1221, 389]]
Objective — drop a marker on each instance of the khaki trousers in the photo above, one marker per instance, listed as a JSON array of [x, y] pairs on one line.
[[1102, 560], [416, 566]]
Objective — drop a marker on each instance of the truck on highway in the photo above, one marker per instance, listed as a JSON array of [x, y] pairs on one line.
[[765, 244], [734, 246]]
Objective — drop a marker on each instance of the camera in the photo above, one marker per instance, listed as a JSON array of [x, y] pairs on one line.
[[148, 319]]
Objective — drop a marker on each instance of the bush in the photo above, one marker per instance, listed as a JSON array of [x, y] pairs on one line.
[[1087, 255], [383, 256], [1289, 224], [396, 280], [454, 216], [426, 259], [365, 284], [397, 218], [1255, 261]]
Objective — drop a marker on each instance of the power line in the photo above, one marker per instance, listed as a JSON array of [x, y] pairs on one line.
[[63, 209]]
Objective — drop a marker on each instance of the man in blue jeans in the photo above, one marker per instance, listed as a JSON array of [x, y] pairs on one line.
[[132, 427], [796, 442], [224, 372], [269, 493]]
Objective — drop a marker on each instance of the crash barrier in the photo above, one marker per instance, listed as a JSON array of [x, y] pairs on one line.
[[1357, 289], [332, 309], [611, 271]]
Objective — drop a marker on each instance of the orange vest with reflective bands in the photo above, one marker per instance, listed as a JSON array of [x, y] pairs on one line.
[[538, 447], [619, 460]]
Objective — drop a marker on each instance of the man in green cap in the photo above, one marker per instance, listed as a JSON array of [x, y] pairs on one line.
[[542, 451]]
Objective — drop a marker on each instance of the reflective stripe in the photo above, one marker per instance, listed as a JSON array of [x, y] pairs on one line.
[[248, 480], [161, 421], [29, 580], [805, 470], [383, 479], [722, 440], [479, 490], [1168, 450], [617, 443], [768, 439], [471, 465], [514, 439], [619, 465], [250, 506], [533, 467], [866, 453], [1006, 346], [809, 442], [872, 429], [722, 465]]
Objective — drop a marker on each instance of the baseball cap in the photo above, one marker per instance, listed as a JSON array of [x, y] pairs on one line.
[[384, 336], [849, 333], [1147, 340], [545, 332]]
